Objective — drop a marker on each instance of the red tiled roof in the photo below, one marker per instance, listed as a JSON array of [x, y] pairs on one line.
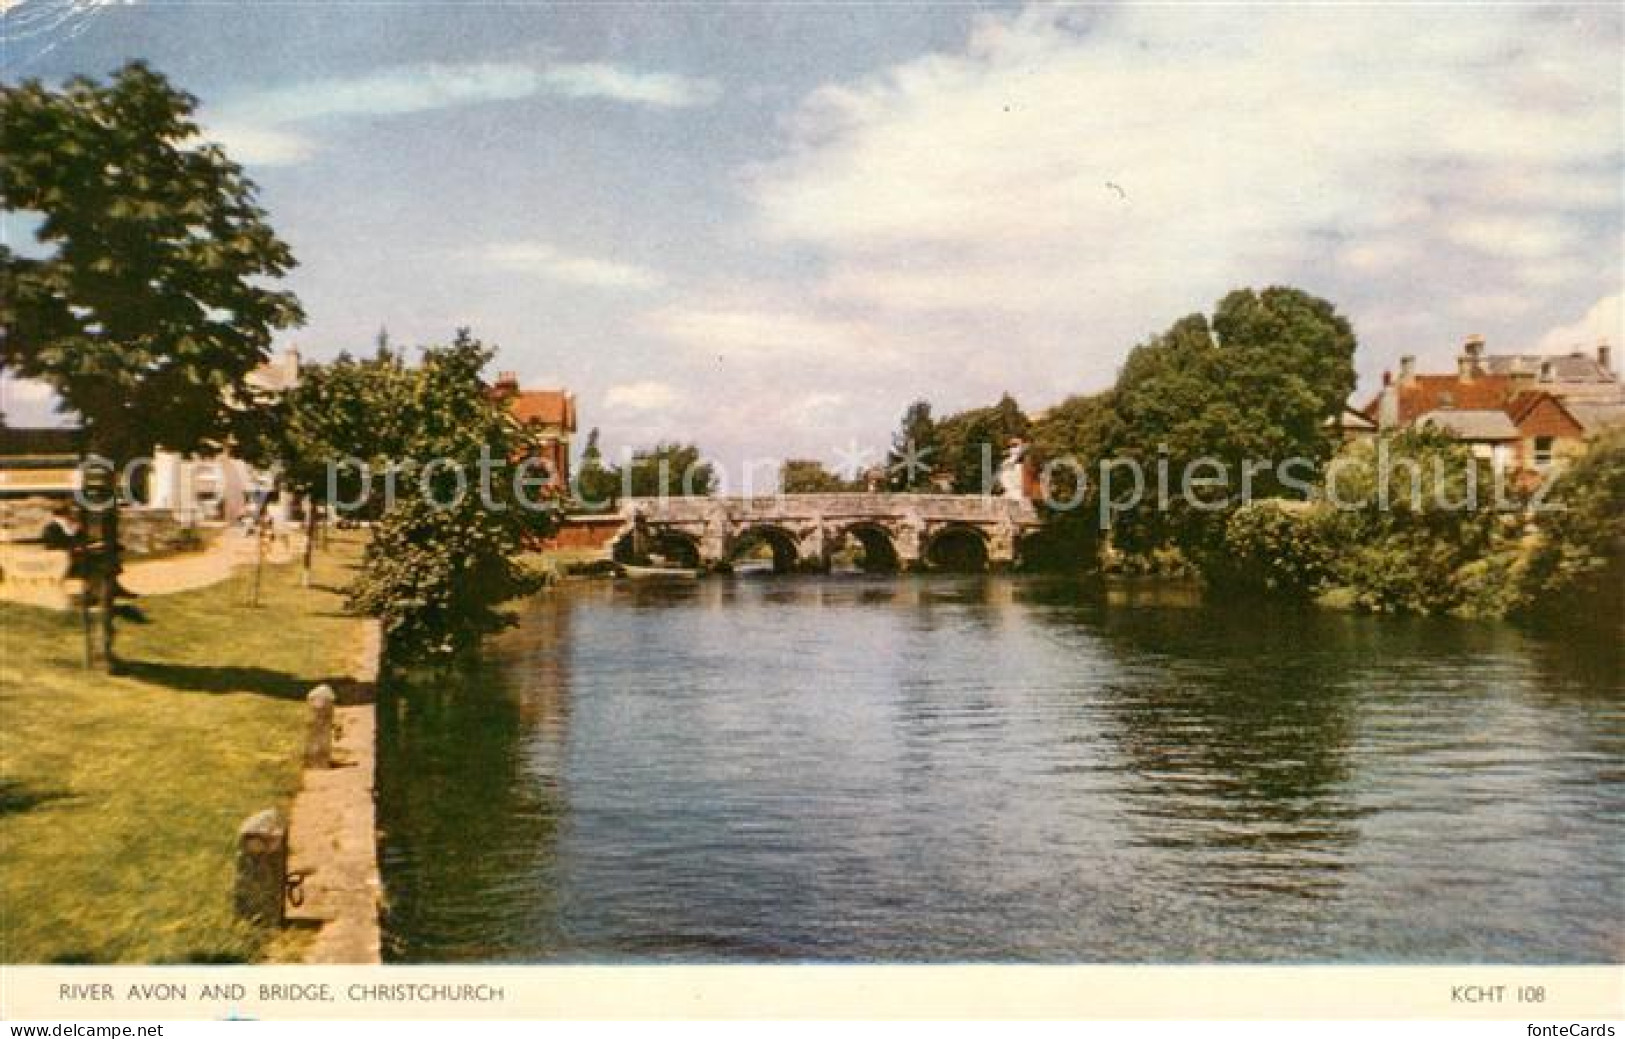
[[1424, 393], [546, 407]]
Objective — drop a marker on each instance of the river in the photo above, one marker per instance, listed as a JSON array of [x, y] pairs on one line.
[[1004, 769]]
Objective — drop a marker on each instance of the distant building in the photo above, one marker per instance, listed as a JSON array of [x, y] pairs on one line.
[[221, 487], [39, 463], [1352, 424], [1518, 411], [548, 418]]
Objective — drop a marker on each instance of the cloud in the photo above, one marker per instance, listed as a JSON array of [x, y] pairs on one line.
[[255, 126], [767, 331], [1074, 179], [261, 145], [661, 89], [544, 260], [647, 395], [1603, 322], [398, 91]]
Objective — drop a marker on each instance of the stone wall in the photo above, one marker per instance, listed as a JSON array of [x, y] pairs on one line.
[[332, 829], [141, 531]]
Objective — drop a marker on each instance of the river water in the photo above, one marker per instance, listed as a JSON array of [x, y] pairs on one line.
[[1005, 769]]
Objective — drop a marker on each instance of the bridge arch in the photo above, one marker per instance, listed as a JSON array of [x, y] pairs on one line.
[[781, 543], [876, 550], [674, 546], [959, 547]]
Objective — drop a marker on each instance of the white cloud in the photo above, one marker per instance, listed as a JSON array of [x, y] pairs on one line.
[[544, 260], [647, 395], [1603, 322], [767, 331], [1075, 179], [396, 91], [1533, 238], [260, 145], [254, 126], [661, 89]]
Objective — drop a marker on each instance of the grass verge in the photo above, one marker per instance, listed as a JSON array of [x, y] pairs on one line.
[[120, 796]]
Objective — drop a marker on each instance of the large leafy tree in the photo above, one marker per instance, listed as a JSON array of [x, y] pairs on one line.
[[146, 304], [1255, 383], [972, 444], [444, 557]]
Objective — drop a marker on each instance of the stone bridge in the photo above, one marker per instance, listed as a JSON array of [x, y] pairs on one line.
[[806, 531]]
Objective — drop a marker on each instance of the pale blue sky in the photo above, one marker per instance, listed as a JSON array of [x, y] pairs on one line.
[[768, 228]]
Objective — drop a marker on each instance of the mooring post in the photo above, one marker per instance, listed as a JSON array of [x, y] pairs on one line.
[[262, 867], [319, 740]]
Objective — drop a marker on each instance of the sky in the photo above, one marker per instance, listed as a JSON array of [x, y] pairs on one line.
[[768, 228]]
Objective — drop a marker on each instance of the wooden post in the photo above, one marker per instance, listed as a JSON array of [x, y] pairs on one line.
[[319, 740], [262, 868]]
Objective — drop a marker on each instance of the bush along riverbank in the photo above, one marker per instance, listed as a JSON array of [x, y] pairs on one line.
[[1443, 549]]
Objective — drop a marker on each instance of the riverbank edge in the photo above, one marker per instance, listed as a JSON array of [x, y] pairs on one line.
[[333, 828]]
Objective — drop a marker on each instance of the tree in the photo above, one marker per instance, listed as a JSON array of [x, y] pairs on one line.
[[669, 471], [914, 450], [1576, 560], [597, 486], [1256, 383], [1066, 447], [1411, 519], [444, 557], [972, 444], [149, 308], [343, 412], [808, 476]]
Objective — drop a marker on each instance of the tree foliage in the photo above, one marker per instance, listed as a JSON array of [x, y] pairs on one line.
[[1256, 382], [149, 308], [972, 444], [444, 556], [809, 476], [914, 451], [1577, 556], [597, 486], [146, 306], [669, 470]]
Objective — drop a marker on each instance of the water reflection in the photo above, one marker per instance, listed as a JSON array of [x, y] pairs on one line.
[[991, 768]]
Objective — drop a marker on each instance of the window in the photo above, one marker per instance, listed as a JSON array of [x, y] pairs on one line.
[[1543, 451]]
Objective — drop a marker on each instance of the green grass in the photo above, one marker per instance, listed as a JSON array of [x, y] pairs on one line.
[[120, 797]]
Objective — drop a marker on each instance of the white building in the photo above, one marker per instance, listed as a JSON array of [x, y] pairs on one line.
[[221, 488]]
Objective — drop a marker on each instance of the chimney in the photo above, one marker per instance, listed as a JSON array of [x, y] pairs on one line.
[[507, 383], [1387, 378], [1472, 356], [1605, 356], [1388, 406], [1407, 370], [1466, 368], [1545, 371]]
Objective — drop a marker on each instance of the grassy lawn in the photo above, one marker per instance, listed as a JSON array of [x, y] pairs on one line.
[[120, 797]]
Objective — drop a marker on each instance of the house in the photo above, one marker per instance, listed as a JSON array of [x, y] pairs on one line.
[[1489, 432], [221, 487], [1525, 412], [548, 418], [1350, 425]]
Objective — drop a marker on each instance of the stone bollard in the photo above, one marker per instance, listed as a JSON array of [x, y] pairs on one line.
[[262, 867], [319, 740]]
